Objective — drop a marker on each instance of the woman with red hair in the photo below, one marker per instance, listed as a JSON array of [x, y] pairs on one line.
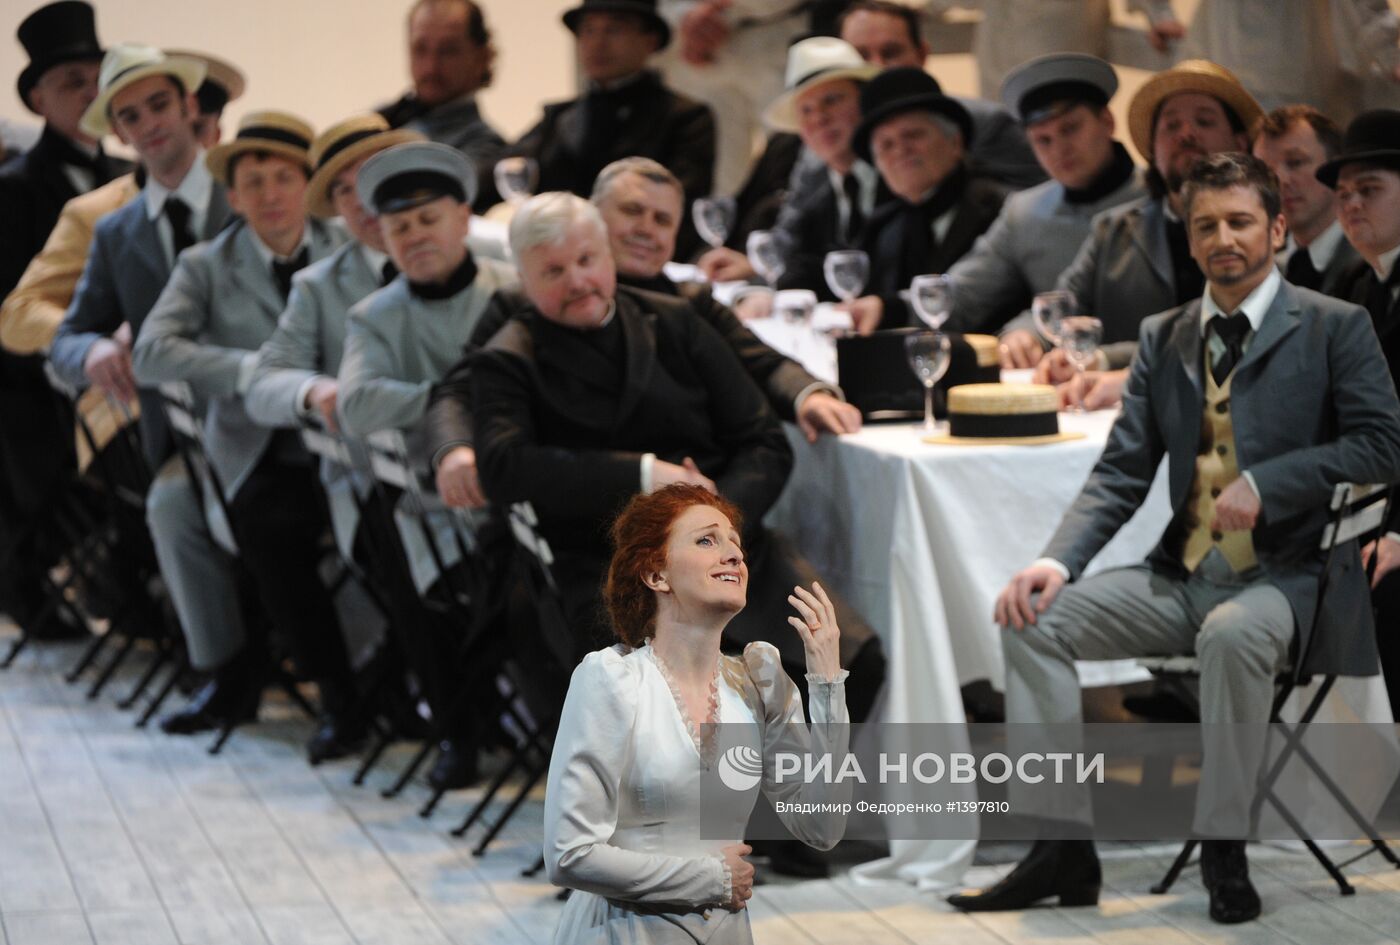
[[641, 727]]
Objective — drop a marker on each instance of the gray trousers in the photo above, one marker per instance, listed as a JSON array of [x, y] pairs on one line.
[[198, 572], [1239, 627]]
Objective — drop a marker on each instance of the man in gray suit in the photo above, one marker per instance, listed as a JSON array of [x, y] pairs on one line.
[[1062, 101], [1136, 260], [1290, 394], [221, 304], [145, 98]]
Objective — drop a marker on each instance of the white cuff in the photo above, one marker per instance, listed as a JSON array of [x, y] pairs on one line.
[[1052, 563], [814, 388], [1393, 536], [648, 461], [1249, 478], [246, 367]]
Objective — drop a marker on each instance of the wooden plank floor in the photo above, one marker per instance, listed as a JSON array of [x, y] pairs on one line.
[[114, 836]]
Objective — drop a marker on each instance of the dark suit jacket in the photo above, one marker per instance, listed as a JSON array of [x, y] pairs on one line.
[[552, 430], [811, 228], [1354, 285], [125, 273], [1312, 406], [675, 131], [974, 213]]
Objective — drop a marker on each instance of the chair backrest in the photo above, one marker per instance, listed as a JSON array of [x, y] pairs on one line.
[[1356, 510], [178, 401]]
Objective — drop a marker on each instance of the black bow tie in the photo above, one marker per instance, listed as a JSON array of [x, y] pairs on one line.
[[1231, 331], [283, 270]]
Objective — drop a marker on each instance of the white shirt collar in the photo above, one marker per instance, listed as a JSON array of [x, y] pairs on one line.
[[1324, 249], [1387, 263], [268, 256], [195, 189], [374, 259], [1255, 305]]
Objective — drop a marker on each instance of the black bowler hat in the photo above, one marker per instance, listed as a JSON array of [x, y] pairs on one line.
[[646, 9], [906, 89], [1372, 137], [55, 34]]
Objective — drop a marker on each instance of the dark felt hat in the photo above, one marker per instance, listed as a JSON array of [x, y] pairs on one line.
[[646, 9], [1372, 137], [897, 91], [52, 35]]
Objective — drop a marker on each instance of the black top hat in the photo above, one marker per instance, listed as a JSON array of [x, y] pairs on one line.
[[52, 35], [907, 89], [1372, 137], [646, 9]]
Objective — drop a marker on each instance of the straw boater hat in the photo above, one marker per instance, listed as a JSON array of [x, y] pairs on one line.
[[811, 63], [223, 82], [341, 145], [1048, 86], [127, 64], [1003, 415], [53, 35], [274, 132], [410, 175], [1372, 138], [1191, 75]]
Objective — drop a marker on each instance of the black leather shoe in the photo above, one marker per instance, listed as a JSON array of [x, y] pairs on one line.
[[337, 735], [1225, 874], [1068, 869], [214, 704], [455, 766]]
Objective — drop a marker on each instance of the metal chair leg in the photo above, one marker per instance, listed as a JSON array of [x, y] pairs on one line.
[[15, 649], [161, 658], [99, 642], [376, 751], [163, 692], [509, 812], [105, 676], [407, 774], [1177, 866]]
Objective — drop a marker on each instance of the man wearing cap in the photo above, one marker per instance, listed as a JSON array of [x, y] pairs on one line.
[[625, 110], [889, 35], [399, 343], [1261, 397], [916, 137], [1137, 261], [1062, 101], [221, 303], [1366, 177], [36, 452], [1295, 141], [450, 57]]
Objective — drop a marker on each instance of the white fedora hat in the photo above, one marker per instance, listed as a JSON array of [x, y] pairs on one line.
[[128, 63], [810, 63]]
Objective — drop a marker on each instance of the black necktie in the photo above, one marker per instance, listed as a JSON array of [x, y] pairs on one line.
[[1301, 271], [282, 271], [388, 272], [855, 219], [1231, 331], [178, 213]]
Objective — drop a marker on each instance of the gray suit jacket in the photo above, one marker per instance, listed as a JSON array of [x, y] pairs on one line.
[[125, 272], [1032, 242], [220, 305], [1312, 406]]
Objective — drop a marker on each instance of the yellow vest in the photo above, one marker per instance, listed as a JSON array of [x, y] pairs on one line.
[[1217, 466]]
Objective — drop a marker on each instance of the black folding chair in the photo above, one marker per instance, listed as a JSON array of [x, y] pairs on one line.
[[1358, 511]]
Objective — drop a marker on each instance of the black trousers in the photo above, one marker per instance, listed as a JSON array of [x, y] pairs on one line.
[[1386, 597], [278, 518]]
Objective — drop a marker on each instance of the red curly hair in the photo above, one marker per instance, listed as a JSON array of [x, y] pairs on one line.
[[639, 536]]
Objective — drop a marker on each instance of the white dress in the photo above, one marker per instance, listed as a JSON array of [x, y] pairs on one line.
[[622, 812]]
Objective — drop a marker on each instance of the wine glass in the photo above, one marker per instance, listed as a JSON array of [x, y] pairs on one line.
[[516, 178], [1080, 337], [929, 353], [932, 296], [713, 216], [765, 255], [1049, 309], [794, 306], [846, 271]]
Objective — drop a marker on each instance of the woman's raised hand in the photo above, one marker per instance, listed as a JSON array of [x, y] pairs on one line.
[[816, 624]]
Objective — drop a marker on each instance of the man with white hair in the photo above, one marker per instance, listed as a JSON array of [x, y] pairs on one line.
[[610, 390]]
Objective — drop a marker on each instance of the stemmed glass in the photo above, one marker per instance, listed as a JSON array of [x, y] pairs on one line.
[[516, 178], [794, 306], [846, 272], [765, 255], [932, 296], [1080, 337], [929, 353], [1050, 309], [713, 216]]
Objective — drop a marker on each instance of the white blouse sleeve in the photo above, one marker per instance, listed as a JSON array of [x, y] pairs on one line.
[[592, 755], [785, 730]]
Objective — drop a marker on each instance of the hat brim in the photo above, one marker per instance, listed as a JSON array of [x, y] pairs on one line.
[[318, 189], [218, 158], [1053, 69], [32, 73], [781, 114], [937, 103], [944, 439], [654, 22], [190, 73], [1143, 109], [1329, 172]]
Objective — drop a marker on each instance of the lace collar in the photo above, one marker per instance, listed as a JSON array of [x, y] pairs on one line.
[[703, 737]]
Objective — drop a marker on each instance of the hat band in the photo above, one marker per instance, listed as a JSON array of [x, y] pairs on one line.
[[132, 68], [817, 73], [355, 137], [267, 133], [1002, 425]]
